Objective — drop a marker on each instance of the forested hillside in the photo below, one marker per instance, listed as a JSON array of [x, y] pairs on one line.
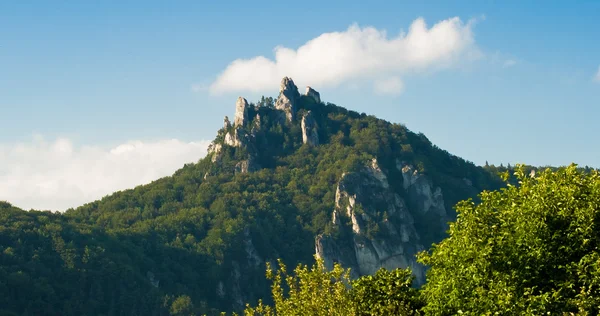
[[287, 171]]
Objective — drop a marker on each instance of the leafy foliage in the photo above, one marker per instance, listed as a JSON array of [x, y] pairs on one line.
[[530, 249], [153, 249], [387, 293], [317, 291]]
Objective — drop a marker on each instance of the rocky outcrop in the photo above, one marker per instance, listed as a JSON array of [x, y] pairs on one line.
[[383, 230], [241, 112], [309, 130], [248, 165], [310, 92], [226, 123], [216, 151], [238, 138], [327, 249], [257, 124], [235, 286], [252, 256], [152, 279], [288, 97], [426, 197]]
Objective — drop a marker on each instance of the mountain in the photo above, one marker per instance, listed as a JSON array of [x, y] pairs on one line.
[[290, 178]]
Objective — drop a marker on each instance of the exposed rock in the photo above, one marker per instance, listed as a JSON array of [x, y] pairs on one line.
[[327, 249], [252, 256], [376, 172], [226, 123], [216, 151], [221, 290], [236, 291], [245, 166], [151, 278], [421, 190], [468, 182], [236, 139], [362, 197], [241, 112], [288, 96], [257, 122], [310, 92], [309, 130]]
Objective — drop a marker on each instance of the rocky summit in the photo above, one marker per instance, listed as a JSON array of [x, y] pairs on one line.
[[290, 178], [409, 212]]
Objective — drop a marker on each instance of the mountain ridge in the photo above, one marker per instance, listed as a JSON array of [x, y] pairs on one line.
[[290, 176]]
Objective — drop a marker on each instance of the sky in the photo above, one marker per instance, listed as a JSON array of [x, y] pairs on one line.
[[100, 96]]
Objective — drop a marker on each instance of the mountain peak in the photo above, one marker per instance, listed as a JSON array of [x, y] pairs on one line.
[[310, 92], [241, 112], [288, 98]]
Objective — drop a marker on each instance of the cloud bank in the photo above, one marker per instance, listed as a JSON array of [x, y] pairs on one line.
[[597, 76], [358, 53], [57, 175]]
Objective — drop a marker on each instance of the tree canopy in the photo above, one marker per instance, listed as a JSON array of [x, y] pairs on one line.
[[528, 249], [321, 292]]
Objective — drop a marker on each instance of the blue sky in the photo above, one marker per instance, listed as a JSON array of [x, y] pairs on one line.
[[82, 75]]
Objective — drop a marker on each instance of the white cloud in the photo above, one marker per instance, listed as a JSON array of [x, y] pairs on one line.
[[509, 63], [390, 86], [357, 53], [597, 76], [57, 175]]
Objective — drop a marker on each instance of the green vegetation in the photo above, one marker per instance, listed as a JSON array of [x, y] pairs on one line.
[[530, 249], [317, 291], [197, 242]]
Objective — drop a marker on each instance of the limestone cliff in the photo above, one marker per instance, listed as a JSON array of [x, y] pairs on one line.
[[241, 112], [383, 227], [288, 98], [381, 210], [309, 130], [312, 93]]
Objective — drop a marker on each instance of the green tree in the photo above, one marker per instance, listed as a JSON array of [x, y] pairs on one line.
[[529, 249], [318, 291], [308, 291], [182, 306], [387, 293]]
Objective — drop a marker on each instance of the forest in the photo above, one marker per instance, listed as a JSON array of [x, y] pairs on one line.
[[178, 246]]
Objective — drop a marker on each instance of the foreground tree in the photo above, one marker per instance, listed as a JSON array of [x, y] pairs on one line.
[[530, 249], [387, 293], [310, 291], [317, 291]]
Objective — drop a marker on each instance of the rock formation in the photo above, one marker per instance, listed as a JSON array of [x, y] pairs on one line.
[[288, 97], [215, 150], [241, 112], [383, 222], [237, 138], [310, 92], [365, 199], [309, 130], [245, 166], [420, 189]]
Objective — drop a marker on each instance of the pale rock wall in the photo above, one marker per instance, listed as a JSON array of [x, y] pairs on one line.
[[288, 97], [363, 190], [309, 130], [241, 112], [310, 92]]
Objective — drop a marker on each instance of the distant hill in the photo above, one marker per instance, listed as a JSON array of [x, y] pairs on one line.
[[289, 178]]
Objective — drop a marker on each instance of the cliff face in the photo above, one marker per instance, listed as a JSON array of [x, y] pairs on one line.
[[382, 215], [383, 232], [286, 178]]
